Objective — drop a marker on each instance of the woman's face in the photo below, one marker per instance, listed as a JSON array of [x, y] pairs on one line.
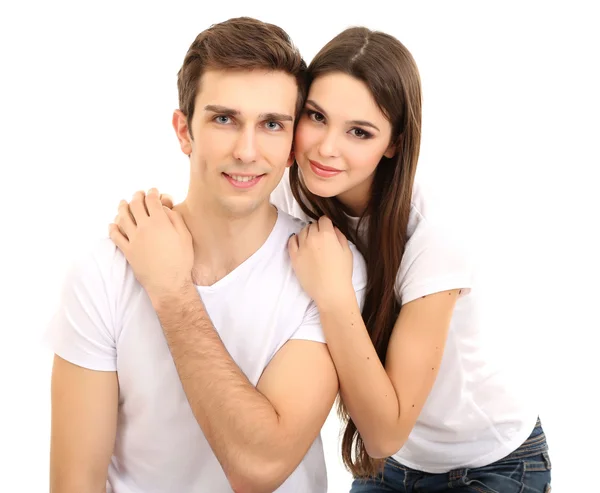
[[341, 136]]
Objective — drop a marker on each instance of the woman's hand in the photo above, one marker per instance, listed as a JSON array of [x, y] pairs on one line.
[[322, 260]]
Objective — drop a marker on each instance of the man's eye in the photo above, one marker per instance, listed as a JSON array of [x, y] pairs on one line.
[[222, 119], [274, 125]]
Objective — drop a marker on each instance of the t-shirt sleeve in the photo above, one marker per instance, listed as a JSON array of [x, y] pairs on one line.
[[433, 261], [311, 328], [82, 330]]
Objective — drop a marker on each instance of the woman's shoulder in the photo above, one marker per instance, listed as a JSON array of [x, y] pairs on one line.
[[436, 255], [435, 214]]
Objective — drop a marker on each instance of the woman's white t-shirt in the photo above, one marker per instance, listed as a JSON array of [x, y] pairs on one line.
[[476, 413]]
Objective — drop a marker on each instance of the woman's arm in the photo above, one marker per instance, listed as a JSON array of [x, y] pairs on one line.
[[385, 402]]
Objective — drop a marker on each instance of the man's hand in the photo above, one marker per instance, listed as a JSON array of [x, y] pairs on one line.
[[166, 200], [156, 243]]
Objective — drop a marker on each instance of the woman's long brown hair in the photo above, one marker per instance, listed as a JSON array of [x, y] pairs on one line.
[[390, 72]]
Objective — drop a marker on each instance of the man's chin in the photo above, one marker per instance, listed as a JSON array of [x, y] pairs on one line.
[[240, 207]]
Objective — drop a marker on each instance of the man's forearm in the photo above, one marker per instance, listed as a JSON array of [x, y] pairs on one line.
[[238, 421]]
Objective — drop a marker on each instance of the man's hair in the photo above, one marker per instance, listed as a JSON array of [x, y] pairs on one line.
[[237, 44]]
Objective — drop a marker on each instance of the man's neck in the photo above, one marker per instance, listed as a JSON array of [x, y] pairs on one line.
[[221, 242]]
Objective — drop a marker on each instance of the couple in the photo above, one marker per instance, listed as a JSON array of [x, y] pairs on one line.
[[202, 346]]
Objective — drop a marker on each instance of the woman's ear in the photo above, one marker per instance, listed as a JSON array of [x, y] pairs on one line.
[[390, 152]]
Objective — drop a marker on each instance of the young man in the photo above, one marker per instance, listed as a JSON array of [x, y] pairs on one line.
[[189, 359]]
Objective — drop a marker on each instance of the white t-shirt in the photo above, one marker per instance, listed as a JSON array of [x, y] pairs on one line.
[[106, 322], [476, 412]]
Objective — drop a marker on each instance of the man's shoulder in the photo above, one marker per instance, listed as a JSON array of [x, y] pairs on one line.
[[100, 254], [359, 268], [290, 224], [101, 266]]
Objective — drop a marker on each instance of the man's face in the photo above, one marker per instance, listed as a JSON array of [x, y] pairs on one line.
[[242, 132]]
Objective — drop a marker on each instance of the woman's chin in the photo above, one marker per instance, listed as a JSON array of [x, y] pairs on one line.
[[320, 187]]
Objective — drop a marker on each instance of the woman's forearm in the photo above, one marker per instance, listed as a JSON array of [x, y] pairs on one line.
[[365, 386]]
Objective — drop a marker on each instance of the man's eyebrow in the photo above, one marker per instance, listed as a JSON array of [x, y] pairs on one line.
[[277, 116], [215, 108], [224, 110], [363, 123]]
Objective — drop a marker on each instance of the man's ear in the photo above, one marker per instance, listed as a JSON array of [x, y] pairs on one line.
[[180, 124]]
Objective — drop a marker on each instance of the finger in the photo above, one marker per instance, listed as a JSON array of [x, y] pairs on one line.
[[137, 207], [293, 246], [303, 234], [341, 238], [177, 220], [116, 223], [166, 200], [153, 205], [117, 237], [312, 229], [124, 220], [325, 224]]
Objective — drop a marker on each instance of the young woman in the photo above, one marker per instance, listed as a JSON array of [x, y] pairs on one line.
[[417, 387]]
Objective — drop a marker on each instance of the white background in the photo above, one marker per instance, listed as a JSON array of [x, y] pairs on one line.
[[510, 148]]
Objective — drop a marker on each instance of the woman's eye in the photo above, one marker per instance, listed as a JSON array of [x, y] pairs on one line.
[[316, 116], [360, 133]]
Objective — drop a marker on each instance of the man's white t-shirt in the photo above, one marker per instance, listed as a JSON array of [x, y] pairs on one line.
[[476, 413], [106, 322]]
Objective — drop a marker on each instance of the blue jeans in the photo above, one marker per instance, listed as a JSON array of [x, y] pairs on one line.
[[526, 470]]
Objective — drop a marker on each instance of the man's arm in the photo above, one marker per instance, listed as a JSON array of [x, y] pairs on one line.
[[84, 422], [259, 435]]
